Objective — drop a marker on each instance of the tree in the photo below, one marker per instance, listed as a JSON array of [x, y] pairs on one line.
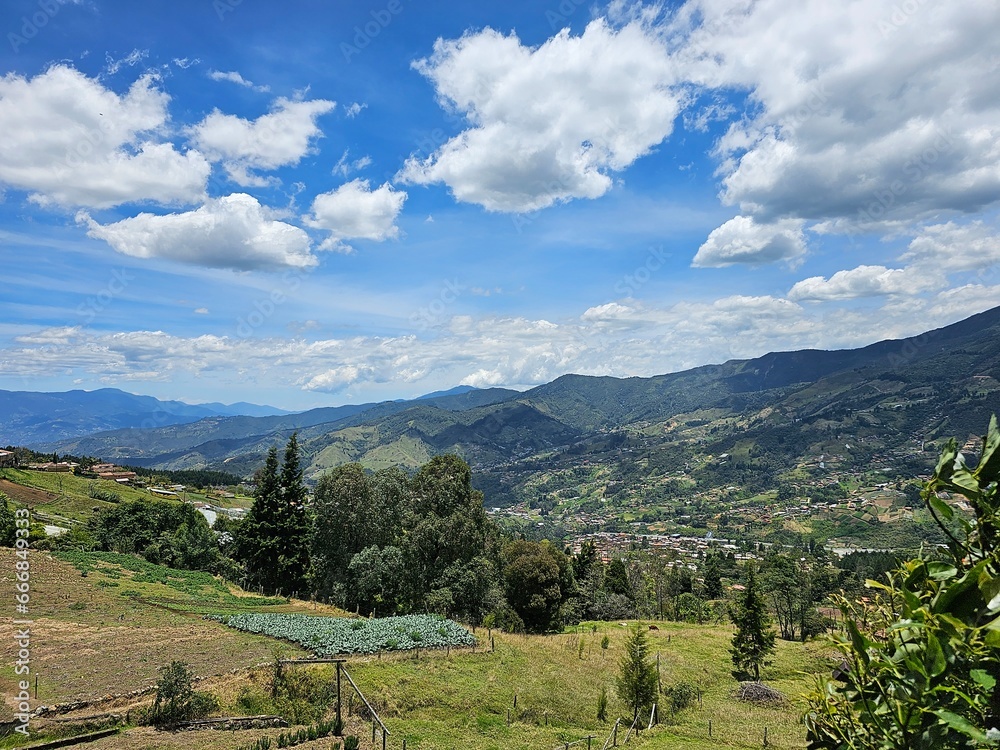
[[636, 682], [341, 503], [712, 574], [377, 577], [922, 662], [272, 539], [294, 554], [753, 641], [533, 582], [7, 522], [445, 523], [176, 700]]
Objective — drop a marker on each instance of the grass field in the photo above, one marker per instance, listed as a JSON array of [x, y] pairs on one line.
[[59, 495], [91, 642]]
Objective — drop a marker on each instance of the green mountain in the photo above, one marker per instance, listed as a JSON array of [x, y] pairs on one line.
[[842, 408]]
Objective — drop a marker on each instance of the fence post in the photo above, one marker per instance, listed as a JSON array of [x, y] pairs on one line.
[[765, 736], [373, 731], [614, 732], [709, 727], [340, 718]]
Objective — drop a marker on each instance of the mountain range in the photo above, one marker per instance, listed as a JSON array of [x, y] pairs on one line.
[[763, 411], [29, 417]]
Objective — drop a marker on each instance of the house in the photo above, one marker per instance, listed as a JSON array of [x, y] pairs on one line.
[[61, 466], [6, 459]]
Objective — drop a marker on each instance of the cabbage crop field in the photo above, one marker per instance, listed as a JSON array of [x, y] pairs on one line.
[[329, 636]]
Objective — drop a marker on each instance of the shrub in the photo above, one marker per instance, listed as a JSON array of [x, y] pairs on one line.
[[680, 696], [351, 742]]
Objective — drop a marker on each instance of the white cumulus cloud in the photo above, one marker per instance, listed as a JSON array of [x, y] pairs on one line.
[[355, 211], [866, 281], [548, 123], [862, 112], [69, 140], [744, 240], [278, 139], [233, 231]]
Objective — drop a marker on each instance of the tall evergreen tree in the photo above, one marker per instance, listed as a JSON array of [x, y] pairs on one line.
[[259, 538], [754, 639], [294, 557], [636, 681], [272, 541]]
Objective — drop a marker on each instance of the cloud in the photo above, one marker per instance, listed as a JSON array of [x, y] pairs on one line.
[[551, 123], [278, 139], [743, 240], [69, 140], [345, 166], [861, 112], [234, 77], [132, 59], [354, 109], [354, 211], [866, 281], [955, 247], [233, 231], [201, 311], [623, 338]]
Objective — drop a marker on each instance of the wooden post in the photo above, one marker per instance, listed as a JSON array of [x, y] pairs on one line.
[[515, 700], [373, 730], [614, 733], [709, 727], [36, 687], [588, 742], [404, 743], [508, 717], [340, 718], [383, 739], [659, 681], [765, 736]]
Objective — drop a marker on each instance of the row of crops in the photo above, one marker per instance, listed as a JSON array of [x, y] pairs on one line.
[[328, 636]]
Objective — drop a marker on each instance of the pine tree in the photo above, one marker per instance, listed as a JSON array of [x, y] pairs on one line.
[[754, 640], [273, 539], [294, 558], [636, 682]]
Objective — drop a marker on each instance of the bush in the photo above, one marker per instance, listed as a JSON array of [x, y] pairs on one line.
[[176, 699], [680, 696], [351, 742]]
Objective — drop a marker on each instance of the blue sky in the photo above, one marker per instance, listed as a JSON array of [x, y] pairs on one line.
[[313, 203]]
